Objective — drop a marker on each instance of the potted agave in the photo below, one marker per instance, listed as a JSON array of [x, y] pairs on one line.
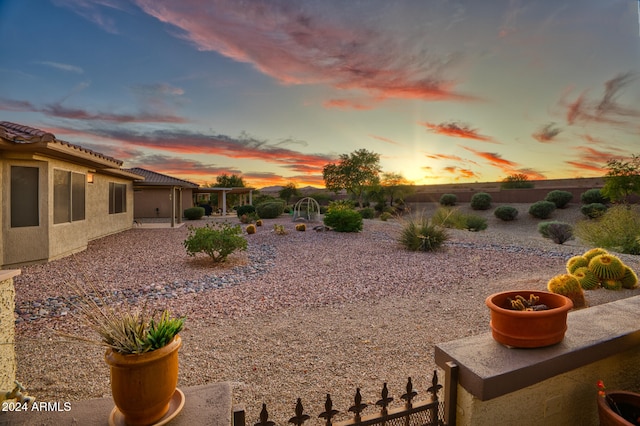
[[528, 318], [142, 354]]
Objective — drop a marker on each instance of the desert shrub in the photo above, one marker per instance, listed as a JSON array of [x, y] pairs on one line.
[[558, 232], [343, 219], [618, 229], [542, 209], [418, 234], [593, 210], [389, 209], [385, 216], [207, 209], [249, 217], [270, 209], [448, 217], [216, 240], [323, 209], [506, 213], [194, 213], [367, 213], [481, 201], [246, 209], [559, 198], [475, 223], [593, 196], [279, 229], [448, 200]]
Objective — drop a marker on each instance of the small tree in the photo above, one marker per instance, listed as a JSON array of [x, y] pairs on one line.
[[396, 187], [288, 191], [622, 179], [518, 180], [229, 181], [354, 173]]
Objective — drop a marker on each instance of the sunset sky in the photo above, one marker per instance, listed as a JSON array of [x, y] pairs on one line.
[[444, 91]]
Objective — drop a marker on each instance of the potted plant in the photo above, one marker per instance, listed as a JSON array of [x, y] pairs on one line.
[[528, 318], [142, 353], [618, 407]]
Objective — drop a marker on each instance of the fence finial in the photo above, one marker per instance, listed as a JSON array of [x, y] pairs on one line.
[[329, 412], [410, 394], [300, 417], [264, 417], [435, 386], [358, 406], [385, 400]]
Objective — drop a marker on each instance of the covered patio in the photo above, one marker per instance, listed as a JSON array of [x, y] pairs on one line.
[[245, 196]]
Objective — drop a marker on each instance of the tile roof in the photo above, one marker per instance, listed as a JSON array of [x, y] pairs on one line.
[[19, 134], [154, 178]]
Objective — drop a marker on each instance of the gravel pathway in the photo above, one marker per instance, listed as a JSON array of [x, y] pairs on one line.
[[297, 315]]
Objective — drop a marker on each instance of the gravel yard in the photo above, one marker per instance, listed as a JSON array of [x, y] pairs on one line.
[[297, 315]]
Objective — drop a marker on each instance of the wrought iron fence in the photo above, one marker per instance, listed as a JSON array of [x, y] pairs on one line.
[[431, 412]]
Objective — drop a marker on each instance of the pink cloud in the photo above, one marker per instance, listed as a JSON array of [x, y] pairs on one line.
[[294, 45], [457, 130], [347, 104]]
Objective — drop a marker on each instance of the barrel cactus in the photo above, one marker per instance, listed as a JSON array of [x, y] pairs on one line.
[[590, 254], [259, 222], [569, 286], [576, 262], [251, 229], [607, 267], [301, 227], [629, 279], [586, 278], [612, 284]]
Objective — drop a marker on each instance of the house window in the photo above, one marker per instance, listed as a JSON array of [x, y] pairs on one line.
[[68, 196], [24, 196], [117, 198]]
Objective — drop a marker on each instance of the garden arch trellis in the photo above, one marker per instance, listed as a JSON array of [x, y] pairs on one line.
[[306, 209]]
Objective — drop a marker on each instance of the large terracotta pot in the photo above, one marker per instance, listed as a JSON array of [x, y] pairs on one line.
[[627, 403], [143, 384], [529, 329]]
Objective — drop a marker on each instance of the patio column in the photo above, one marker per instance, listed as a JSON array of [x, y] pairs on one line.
[[172, 198], [224, 202], [251, 196], [180, 205]]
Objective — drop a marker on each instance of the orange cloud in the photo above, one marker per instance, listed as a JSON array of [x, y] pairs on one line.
[[380, 138], [587, 166], [456, 130], [444, 157], [547, 133], [347, 104]]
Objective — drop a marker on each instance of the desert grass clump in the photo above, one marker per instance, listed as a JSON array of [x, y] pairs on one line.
[[420, 234], [448, 217], [617, 229]]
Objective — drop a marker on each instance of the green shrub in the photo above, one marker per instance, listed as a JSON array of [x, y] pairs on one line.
[[343, 219], [420, 235], [558, 232], [542, 209], [449, 217], [506, 213], [594, 195], [481, 201], [559, 198], [385, 216], [448, 200], [194, 213], [475, 223], [216, 240], [270, 209], [246, 209], [367, 213], [618, 229], [593, 210]]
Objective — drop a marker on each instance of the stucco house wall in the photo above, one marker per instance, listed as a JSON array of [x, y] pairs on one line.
[[83, 180], [148, 199]]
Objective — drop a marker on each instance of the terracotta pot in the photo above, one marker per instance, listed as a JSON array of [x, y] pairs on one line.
[[529, 329], [627, 403], [143, 384]]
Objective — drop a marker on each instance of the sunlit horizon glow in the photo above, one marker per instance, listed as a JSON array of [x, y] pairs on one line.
[[444, 91]]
